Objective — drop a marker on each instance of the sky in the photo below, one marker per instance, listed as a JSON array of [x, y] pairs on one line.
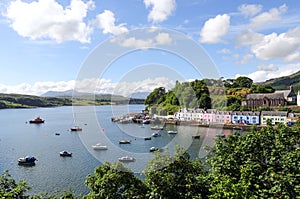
[[138, 45]]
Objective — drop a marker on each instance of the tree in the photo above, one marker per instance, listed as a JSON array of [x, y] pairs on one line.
[[242, 82], [261, 164], [156, 96], [9, 188], [114, 181], [176, 176]]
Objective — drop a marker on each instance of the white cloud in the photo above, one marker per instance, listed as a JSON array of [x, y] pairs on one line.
[[224, 51], [245, 59], [163, 39], [270, 67], [106, 21], [284, 46], [273, 72], [48, 19], [274, 15], [92, 85], [215, 28], [161, 9], [137, 43], [249, 10]]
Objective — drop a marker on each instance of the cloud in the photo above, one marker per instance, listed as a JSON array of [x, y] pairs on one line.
[[48, 19], [248, 38], [266, 18], [245, 59], [270, 67], [106, 21], [271, 71], [224, 51], [249, 10], [93, 85], [161, 9], [215, 28], [160, 39]]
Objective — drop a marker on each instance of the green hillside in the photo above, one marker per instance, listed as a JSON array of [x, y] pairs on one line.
[[283, 83]]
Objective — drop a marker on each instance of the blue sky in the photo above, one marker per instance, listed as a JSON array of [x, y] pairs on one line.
[[45, 43]]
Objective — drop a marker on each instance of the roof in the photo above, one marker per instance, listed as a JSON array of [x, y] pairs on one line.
[[265, 95], [274, 113], [249, 113], [286, 93]]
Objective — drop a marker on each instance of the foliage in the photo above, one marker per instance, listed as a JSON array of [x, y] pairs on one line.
[[261, 164], [176, 176], [262, 89], [9, 188], [283, 83], [114, 181]]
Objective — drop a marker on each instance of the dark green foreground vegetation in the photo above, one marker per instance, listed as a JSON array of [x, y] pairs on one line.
[[260, 164]]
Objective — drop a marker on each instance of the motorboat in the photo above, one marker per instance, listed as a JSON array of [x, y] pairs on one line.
[[27, 160], [156, 134], [37, 120], [157, 127], [126, 159], [196, 136], [99, 146], [172, 132], [76, 128], [220, 135], [124, 141], [146, 121], [147, 138], [65, 153], [152, 149]]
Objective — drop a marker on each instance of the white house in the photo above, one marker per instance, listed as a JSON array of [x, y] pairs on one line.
[[274, 116]]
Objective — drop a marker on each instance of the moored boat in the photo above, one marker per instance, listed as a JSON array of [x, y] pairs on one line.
[[152, 149], [147, 138], [27, 160], [99, 146], [124, 141], [172, 132], [157, 127], [126, 159], [65, 153], [76, 128], [37, 120], [156, 135]]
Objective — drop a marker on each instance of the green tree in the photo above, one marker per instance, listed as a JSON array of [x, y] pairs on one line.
[[261, 164], [9, 188], [242, 82], [114, 181], [155, 97], [176, 176]]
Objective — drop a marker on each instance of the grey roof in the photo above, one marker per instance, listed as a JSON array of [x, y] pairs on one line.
[[274, 113], [265, 95], [286, 93], [249, 113]]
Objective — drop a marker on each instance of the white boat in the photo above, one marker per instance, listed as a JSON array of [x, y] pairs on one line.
[[27, 160], [157, 127], [156, 135], [98, 146], [172, 132], [126, 159], [76, 128]]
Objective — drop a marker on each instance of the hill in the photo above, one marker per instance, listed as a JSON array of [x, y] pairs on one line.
[[283, 83]]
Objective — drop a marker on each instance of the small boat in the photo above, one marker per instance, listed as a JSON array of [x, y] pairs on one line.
[[220, 135], [76, 128], [126, 159], [27, 160], [156, 134], [124, 141], [157, 127], [196, 136], [146, 121], [37, 120], [172, 132], [65, 153], [152, 149], [98, 146], [57, 133], [147, 138]]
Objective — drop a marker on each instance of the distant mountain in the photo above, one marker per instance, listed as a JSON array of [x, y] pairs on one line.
[[139, 95], [67, 93], [283, 83]]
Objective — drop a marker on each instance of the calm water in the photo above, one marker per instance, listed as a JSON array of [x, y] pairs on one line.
[[18, 138]]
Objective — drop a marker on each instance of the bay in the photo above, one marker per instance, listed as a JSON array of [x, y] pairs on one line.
[[19, 138]]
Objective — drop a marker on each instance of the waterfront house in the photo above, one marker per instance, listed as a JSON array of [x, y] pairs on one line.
[[245, 117], [189, 114], [275, 117], [223, 117], [209, 116]]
